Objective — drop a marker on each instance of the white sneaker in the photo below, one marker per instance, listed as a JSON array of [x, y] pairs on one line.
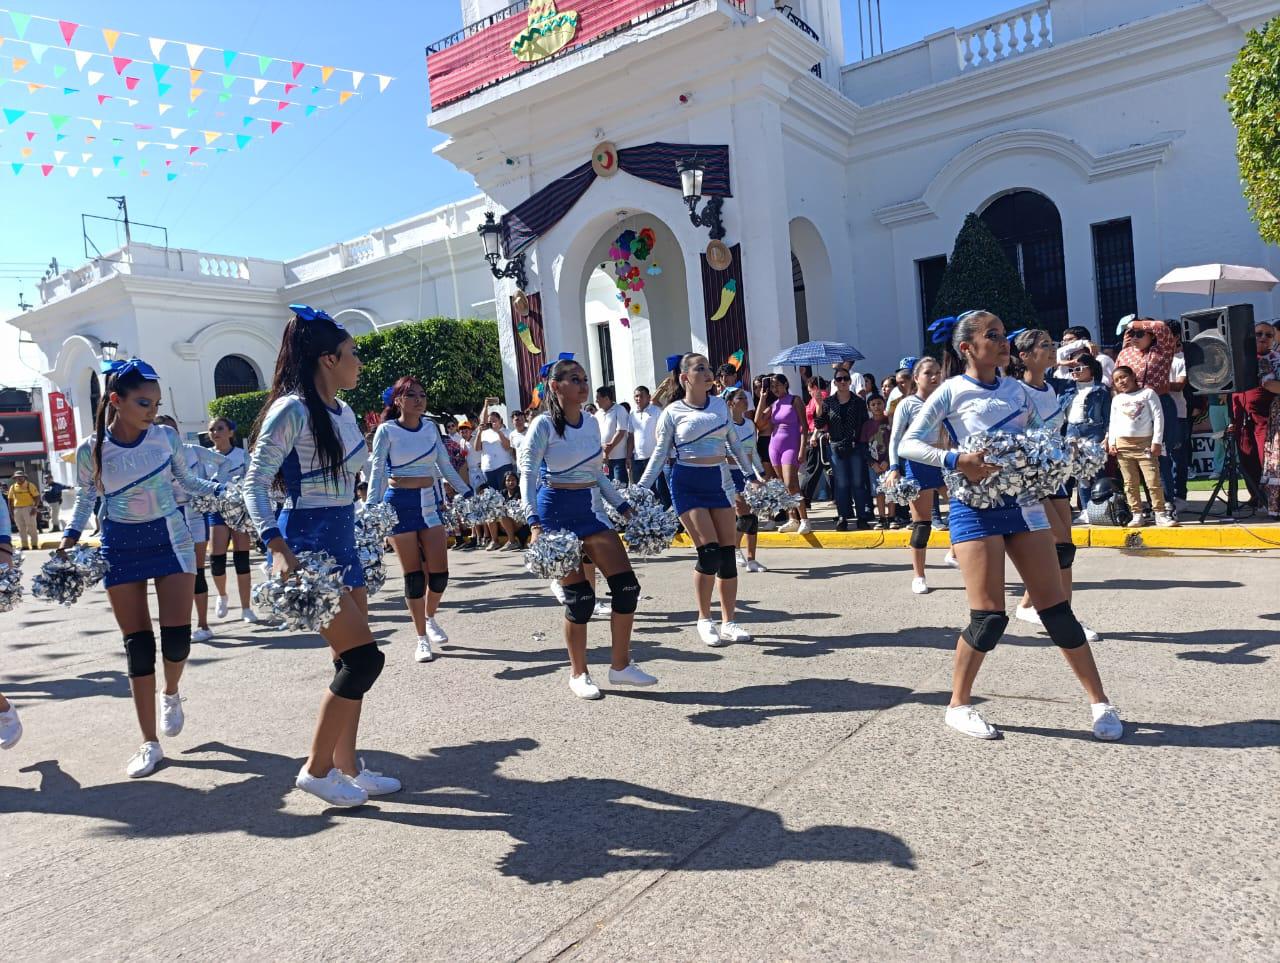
[[375, 783], [250, 616], [511, 546], [1082, 518], [335, 788], [490, 546], [805, 528], [742, 560], [967, 720], [603, 609], [1106, 722], [708, 633], [557, 590], [754, 566], [733, 632], [582, 686], [1090, 635], [423, 652], [791, 526], [203, 634], [144, 761], [220, 607], [172, 718], [434, 632], [10, 727], [951, 560], [1138, 521], [631, 675], [1167, 519], [919, 586], [1027, 614]]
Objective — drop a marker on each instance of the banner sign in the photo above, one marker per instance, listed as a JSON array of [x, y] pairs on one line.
[[21, 435], [62, 422]]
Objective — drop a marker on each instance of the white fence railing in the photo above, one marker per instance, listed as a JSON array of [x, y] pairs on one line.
[[1008, 35]]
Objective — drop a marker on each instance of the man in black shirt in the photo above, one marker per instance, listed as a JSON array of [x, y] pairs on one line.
[[842, 416]]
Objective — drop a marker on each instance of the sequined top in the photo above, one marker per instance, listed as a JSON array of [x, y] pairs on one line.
[[233, 465], [746, 433], [964, 406], [203, 463], [138, 480], [572, 459], [286, 448], [693, 433], [400, 452]]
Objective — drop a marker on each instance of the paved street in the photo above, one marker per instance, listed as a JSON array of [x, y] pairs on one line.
[[797, 797]]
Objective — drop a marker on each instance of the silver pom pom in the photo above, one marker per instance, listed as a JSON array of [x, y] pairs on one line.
[[11, 584], [636, 497], [902, 491], [554, 554], [770, 498], [515, 510], [374, 523], [1033, 465], [487, 506], [230, 505], [91, 562], [310, 598], [64, 578], [650, 529], [1088, 458]]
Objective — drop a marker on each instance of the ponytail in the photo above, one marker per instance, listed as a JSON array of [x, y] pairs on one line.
[[672, 388]]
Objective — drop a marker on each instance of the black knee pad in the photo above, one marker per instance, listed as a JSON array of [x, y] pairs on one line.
[[175, 642], [438, 581], [1066, 554], [240, 560], [579, 602], [202, 584], [140, 653], [218, 564], [985, 629], [748, 524], [358, 670], [708, 559], [625, 591], [920, 534], [586, 558], [728, 567], [415, 585], [1063, 626]]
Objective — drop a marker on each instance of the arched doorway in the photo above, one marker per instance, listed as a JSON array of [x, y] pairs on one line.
[[812, 284], [235, 375], [95, 395], [1029, 228]]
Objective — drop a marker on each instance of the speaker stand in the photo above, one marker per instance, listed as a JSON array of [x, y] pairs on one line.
[[1230, 478]]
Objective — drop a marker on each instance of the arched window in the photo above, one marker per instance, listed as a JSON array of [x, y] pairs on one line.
[[95, 394], [1029, 228], [233, 375], [802, 303]]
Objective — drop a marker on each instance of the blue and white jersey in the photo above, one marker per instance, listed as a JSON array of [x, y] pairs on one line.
[[1049, 404], [705, 432], [138, 481], [575, 458], [903, 416], [746, 434], [400, 452], [233, 465], [964, 406], [203, 463], [286, 448], [6, 528]]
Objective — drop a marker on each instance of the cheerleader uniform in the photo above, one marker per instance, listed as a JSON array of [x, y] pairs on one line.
[[964, 406], [696, 433], [144, 532], [318, 513], [1052, 412], [203, 463], [746, 433], [926, 476], [399, 452], [573, 459], [230, 469]]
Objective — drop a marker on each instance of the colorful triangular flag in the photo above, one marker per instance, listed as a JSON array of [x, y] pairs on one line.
[[17, 168], [194, 50], [110, 36], [224, 96], [383, 80], [289, 88], [228, 58], [19, 63], [281, 105], [12, 115], [356, 77], [38, 51], [59, 70], [258, 85], [162, 89], [58, 120], [82, 58], [210, 136], [191, 150], [171, 177], [68, 91], [247, 121], [242, 140], [120, 63], [157, 45], [228, 80], [20, 21], [31, 135], [325, 74], [345, 95], [276, 125], [311, 109], [68, 30], [94, 76], [131, 82], [163, 107], [191, 111], [103, 98], [196, 92], [159, 70], [263, 64], [46, 169], [115, 160], [297, 68], [195, 76]]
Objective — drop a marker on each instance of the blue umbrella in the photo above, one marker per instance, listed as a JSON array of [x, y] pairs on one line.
[[816, 354]]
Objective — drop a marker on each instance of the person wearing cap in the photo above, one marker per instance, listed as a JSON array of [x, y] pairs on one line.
[[23, 499], [902, 384]]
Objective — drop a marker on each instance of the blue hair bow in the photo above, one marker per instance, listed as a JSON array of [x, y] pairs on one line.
[[546, 368], [308, 313], [940, 330], [907, 363], [1013, 334], [673, 361], [387, 395], [121, 368]]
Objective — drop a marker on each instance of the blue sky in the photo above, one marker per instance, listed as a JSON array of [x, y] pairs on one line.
[[328, 177]]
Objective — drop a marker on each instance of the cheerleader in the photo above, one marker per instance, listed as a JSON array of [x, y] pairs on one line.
[[408, 458], [748, 523], [698, 426], [222, 431], [567, 441], [1032, 356], [308, 442], [203, 463], [133, 465], [926, 376], [978, 401], [10, 724]]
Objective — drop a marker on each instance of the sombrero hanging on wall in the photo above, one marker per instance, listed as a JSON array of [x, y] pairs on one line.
[[604, 159], [520, 303], [719, 257]]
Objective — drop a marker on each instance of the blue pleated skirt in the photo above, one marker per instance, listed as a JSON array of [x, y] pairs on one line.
[[577, 510], [415, 508], [141, 551], [698, 486], [970, 524], [926, 476], [330, 530]]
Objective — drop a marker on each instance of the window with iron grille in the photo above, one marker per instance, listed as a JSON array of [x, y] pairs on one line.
[[1113, 274], [233, 375], [1029, 228], [604, 340], [929, 272]]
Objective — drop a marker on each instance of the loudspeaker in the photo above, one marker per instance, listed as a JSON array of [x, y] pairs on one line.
[[1219, 348]]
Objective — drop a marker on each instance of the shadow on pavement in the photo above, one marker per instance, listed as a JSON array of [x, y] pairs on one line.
[[548, 661], [1247, 734], [1244, 642]]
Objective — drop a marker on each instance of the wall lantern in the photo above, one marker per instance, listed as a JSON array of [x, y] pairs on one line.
[[691, 175], [109, 350], [491, 235]]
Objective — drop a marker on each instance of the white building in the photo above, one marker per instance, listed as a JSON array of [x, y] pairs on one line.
[[1091, 136]]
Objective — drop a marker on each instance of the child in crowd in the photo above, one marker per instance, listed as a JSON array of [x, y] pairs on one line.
[[1088, 405], [1135, 436], [875, 435]]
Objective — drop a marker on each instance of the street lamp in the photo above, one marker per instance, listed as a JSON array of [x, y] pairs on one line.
[[692, 173], [491, 236], [109, 350]]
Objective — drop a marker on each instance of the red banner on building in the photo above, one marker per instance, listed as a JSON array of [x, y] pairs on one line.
[[62, 422], [486, 55]]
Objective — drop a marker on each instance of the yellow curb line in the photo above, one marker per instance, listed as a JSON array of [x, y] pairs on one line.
[[1235, 537]]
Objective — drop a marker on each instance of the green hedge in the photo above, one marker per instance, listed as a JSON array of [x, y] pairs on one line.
[[1253, 97], [457, 361]]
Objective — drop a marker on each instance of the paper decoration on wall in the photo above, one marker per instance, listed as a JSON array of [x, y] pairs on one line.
[[547, 34], [728, 294], [629, 245], [526, 337], [719, 256], [736, 359], [604, 159]]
